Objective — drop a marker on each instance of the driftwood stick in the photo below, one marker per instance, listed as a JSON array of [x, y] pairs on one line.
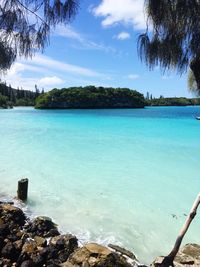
[[168, 260]]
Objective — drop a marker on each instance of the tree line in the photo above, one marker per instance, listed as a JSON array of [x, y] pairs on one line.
[[10, 97], [91, 97], [86, 97], [173, 101], [170, 101]]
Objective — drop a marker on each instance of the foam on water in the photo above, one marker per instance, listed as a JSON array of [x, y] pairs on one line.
[[107, 175]]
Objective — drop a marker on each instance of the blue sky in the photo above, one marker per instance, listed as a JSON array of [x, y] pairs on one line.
[[98, 48]]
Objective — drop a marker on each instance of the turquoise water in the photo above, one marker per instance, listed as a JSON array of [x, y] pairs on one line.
[[107, 175]]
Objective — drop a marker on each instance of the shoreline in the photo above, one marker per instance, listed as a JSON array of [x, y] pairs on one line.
[[37, 241], [26, 239]]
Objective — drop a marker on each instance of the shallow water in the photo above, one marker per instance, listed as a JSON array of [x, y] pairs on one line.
[[115, 176]]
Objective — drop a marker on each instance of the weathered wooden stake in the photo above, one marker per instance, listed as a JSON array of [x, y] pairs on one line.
[[22, 192]]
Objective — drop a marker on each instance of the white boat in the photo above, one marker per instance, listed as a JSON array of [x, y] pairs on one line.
[[198, 118]]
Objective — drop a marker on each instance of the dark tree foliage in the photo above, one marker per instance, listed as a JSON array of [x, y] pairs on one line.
[[3, 101], [91, 97], [16, 97], [173, 101], [25, 25], [174, 41], [7, 56]]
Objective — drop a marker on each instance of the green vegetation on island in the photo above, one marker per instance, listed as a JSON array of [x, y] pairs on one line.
[[86, 97], [90, 97], [10, 97], [173, 101], [3, 101]]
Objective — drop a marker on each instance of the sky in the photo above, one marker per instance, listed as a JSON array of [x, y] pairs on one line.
[[99, 47]]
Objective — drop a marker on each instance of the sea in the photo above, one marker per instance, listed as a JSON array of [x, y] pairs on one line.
[[122, 176]]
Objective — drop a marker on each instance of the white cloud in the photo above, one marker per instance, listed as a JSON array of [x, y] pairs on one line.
[[133, 76], [20, 67], [17, 80], [52, 81], [123, 36], [68, 32], [52, 64], [121, 11], [84, 43], [45, 72]]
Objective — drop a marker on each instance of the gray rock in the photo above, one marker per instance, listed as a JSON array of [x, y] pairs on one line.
[[188, 256], [28, 263], [67, 241], [10, 252], [40, 241], [65, 245], [11, 214], [29, 247], [123, 251], [42, 226], [94, 255]]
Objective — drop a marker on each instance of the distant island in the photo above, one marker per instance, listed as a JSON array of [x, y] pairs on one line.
[[90, 97], [86, 97]]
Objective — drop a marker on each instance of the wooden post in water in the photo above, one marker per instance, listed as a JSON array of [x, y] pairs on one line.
[[22, 192]]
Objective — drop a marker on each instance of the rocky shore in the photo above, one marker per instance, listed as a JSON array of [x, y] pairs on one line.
[[38, 242]]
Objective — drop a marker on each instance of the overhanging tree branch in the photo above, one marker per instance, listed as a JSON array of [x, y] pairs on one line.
[[174, 36], [32, 12], [23, 35]]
